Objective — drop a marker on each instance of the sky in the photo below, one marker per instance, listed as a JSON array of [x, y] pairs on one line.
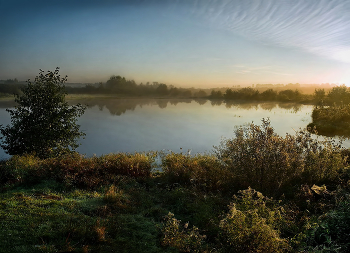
[[186, 43]]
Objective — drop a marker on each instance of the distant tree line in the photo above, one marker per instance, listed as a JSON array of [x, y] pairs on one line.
[[120, 85], [11, 88], [337, 96], [255, 95]]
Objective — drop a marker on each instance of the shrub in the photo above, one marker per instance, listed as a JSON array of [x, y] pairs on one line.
[[201, 171], [20, 169], [250, 225], [261, 159], [77, 170], [180, 236]]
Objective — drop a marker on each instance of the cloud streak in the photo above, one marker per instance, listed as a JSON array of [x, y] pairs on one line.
[[319, 27]]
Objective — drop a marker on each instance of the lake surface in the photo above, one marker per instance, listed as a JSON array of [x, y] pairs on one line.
[[128, 125]]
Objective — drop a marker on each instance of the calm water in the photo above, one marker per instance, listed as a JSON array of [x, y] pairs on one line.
[[128, 125]]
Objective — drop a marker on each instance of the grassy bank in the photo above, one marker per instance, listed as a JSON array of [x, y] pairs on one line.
[[260, 192]]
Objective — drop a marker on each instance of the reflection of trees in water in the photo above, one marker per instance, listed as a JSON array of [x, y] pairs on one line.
[[162, 103], [240, 105], [268, 106], [291, 106], [255, 105], [176, 101], [200, 101], [118, 106], [216, 102]]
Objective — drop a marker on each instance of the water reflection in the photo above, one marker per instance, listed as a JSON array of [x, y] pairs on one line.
[[117, 106]]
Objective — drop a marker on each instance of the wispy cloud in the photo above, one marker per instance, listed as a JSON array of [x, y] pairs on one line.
[[320, 27]]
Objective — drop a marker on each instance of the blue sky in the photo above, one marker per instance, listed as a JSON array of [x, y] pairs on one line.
[[186, 43]]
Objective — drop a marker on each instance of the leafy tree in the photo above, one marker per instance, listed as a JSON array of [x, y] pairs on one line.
[[216, 94], [162, 89], [319, 95], [43, 123], [339, 94], [269, 94]]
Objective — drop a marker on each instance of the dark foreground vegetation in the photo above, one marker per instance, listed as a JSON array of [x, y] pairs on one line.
[[258, 192]]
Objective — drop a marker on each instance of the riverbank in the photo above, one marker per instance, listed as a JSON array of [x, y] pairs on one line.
[[199, 203]]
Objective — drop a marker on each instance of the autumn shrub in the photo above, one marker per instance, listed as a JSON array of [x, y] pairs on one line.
[[259, 158], [134, 165], [251, 225], [201, 171], [77, 170], [181, 236], [20, 169], [117, 199]]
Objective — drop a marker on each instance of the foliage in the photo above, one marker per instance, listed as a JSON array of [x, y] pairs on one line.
[[289, 95], [332, 230], [265, 161], [267, 95], [76, 170], [250, 226], [200, 171], [21, 169], [339, 94], [181, 236], [332, 120], [43, 123], [319, 95]]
